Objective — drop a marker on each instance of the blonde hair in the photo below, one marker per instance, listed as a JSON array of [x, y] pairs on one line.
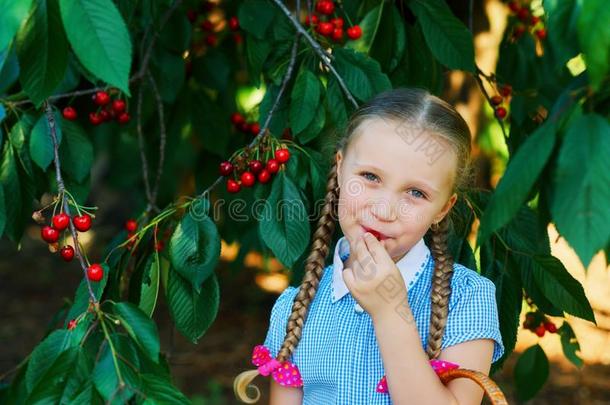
[[416, 108]]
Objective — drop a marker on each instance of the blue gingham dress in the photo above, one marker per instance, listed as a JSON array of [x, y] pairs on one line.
[[338, 355]]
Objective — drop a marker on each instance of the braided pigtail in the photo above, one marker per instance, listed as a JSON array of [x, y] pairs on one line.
[[441, 286], [314, 267]]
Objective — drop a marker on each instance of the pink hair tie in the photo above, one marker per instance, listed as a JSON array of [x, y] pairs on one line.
[[285, 373], [439, 366]]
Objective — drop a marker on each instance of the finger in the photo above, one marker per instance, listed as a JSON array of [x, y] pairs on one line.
[[362, 251], [376, 248], [348, 278]]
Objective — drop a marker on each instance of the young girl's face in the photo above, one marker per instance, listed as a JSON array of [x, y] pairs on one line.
[[395, 180]]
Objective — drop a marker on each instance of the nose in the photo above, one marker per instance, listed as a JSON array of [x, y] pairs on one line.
[[384, 209]]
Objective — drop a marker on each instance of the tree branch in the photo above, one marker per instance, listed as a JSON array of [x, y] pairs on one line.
[[61, 190], [325, 57], [162, 136], [477, 76]]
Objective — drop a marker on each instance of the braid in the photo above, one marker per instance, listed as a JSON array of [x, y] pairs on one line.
[[314, 266], [441, 286]]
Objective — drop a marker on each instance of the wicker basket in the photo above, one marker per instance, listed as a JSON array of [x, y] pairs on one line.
[[491, 389]]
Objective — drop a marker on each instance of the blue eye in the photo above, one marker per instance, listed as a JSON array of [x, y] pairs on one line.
[[422, 195], [367, 174]]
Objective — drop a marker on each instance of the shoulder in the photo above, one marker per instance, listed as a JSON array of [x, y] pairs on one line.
[[466, 281]]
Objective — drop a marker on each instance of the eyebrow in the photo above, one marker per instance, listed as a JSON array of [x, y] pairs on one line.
[[418, 183]]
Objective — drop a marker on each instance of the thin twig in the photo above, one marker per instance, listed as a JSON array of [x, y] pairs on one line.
[[162, 136], [293, 57], [325, 57], [477, 75], [143, 158], [61, 189]]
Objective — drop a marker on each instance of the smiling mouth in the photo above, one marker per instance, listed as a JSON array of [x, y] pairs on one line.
[[378, 235]]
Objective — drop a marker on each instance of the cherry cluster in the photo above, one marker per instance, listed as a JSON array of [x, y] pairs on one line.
[[107, 110], [327, 24], [59, 223], [538, 323], [245, 170], [240, 123], [528, 22], [205, 21], [497, 100]]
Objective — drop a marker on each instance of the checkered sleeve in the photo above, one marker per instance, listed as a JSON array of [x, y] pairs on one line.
[[279, 320], [473, 311]]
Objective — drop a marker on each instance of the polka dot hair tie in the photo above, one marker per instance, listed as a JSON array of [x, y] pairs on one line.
[[285, 373], [439, 366]]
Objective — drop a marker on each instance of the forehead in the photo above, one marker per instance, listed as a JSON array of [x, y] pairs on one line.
[[403, 152]]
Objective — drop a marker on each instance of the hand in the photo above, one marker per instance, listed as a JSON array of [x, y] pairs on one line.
[[375, 281]]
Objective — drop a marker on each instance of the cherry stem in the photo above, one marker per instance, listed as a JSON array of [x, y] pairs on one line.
[[477, 76], [62, 189]]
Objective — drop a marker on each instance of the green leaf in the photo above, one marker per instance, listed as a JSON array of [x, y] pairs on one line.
[[2, 211], [257, 51], [140, 327], [390, 41], [41, 143], [9, 178], [336, 104], [580, 203], [284, 226], [594, 38], [45, 354], [9, 68], [105, 376], [449, 40], [149, 290], [304, 100], [161, 391], [569, 344], [318, 173], [315, 126], [99, 38], [563, 290], [42, 49], [11, 17], [279, 119], [195, 248], [255, 17], [362, 74], [522, 172], [19, 135], [193, 312], [369, 25], [76, 151], [531, 372], [561, 25], [50, 388]]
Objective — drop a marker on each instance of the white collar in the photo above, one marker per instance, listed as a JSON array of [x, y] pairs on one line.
[[410, 266]]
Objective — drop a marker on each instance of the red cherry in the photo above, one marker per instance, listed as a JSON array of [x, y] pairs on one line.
[[337, 34], [131, 225], [523, 14], [104, 115], [95, 118], [159, 246], [337, 22], [514, 6], [82, 222], [67, 253], [540, 330], [354, 32], [191, 15], [207, 25], [233, 23], [500, 112], [247, 179], [123, 118], [118, 106], [243, 126], [101, 98], [506, 90], [49, 234], [313, 20], [61, 221], [211, 40], [541, 33], [273, 166], [72, 324], [255, 128], [233, 186], [282, 155], [550, 326], [226, 168], [534, 20], [496, 100], [518, 31], [255, 166], [326, 7], [264, 176], [95, 272], [325, 28], [69, 113], [237, 118]]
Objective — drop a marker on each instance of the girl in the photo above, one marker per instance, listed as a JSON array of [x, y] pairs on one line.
[[375, 325]]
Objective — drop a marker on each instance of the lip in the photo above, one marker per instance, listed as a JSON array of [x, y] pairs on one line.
[[375, 233]]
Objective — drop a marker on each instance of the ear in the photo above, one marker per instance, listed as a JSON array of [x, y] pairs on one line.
[[446, 208], [339, 160]]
